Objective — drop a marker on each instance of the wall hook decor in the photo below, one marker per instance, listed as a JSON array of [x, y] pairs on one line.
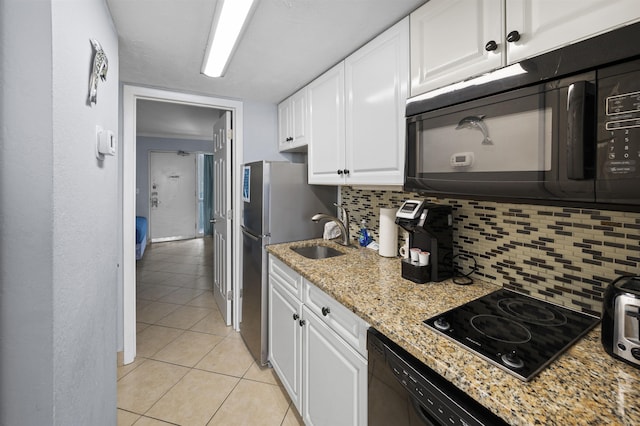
[[98, 70]]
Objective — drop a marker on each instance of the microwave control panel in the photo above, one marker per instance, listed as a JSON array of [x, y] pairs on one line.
[[619, 140], [618, 151]]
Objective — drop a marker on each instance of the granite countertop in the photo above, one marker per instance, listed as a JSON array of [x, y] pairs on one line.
[[583, 386]]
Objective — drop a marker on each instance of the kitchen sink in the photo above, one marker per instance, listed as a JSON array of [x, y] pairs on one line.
[[317, 252]]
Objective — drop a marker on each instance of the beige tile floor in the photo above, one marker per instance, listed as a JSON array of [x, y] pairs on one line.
[[190, 368]]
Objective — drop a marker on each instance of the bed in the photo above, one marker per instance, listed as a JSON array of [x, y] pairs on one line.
[[141, 236]]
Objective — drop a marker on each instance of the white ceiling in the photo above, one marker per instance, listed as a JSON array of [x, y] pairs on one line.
[[287, 43]]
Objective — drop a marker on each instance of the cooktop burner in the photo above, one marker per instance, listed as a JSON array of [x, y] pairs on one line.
[[532, 311], [518, 333]]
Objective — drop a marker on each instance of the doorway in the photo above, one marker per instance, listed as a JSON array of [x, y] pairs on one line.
[[131, 94]]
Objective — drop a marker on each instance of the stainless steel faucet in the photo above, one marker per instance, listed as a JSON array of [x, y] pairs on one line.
[[343, 223]]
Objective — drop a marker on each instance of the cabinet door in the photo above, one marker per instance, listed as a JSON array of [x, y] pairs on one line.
[[334, 377], [299, 118], [326, 134], [285, 339], [349, 326], [376, 80], [544, 25], [449, 39], [284, 125]]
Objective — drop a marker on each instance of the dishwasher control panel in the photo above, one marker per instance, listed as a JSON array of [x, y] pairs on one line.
[[434, 400]]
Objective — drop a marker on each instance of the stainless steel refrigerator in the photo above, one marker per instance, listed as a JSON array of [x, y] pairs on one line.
[[278, 205]]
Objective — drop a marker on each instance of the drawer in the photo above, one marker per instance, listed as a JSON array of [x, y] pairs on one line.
[[350, 327], [286, 277]]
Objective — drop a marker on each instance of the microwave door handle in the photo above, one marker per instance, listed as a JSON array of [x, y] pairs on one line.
[[578, 139]]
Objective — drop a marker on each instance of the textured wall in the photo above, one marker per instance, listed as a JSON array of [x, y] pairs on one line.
[[565, 255], [85, 214], [26, 240], [58, 212]]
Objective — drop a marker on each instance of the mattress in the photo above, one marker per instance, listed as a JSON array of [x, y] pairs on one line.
[[141, 236]]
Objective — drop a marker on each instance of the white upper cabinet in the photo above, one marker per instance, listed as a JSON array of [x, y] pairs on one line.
[[376, 81], [544, 25], [356, 115], [284, 125], [454, 39], [326, 127], [292, 122]]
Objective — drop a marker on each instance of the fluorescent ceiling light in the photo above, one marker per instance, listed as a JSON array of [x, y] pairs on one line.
[[228, 23]]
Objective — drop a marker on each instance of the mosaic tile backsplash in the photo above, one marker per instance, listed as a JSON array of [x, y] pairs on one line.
[[565, 255]]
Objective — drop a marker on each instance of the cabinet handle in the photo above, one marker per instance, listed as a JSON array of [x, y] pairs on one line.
[[490, 46], [340, 172], [302, 322], [346, 171], [513, 36], [326, 311], [295, 317]]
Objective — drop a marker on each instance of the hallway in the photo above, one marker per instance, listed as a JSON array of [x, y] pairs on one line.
[[190, 368]]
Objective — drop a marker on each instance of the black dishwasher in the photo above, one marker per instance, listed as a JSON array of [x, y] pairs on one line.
[[404, 391]]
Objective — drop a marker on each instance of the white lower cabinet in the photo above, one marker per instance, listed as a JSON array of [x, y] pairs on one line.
[[334, 377], [321, 369], [285, 339]]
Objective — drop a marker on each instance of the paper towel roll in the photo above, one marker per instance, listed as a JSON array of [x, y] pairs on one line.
[[388, 233]]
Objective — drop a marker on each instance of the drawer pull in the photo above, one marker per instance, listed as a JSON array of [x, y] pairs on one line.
[[326, 311]]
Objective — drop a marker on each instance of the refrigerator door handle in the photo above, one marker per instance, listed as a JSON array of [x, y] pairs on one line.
[[252, 235]]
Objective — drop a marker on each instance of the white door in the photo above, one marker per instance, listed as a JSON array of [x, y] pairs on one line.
[[172, 196], [222, 216]]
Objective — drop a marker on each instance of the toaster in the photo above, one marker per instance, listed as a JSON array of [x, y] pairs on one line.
[[621, 319]]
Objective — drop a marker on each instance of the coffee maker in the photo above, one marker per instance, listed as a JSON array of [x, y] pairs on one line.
[[430, 228]]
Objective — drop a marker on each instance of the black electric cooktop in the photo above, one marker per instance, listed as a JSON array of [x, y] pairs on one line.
[[517, 333]]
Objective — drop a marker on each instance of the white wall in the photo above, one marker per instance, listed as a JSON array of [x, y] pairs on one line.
[[59, 208]]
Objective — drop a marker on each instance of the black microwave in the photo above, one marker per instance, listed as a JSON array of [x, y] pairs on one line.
[[569, 137]]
